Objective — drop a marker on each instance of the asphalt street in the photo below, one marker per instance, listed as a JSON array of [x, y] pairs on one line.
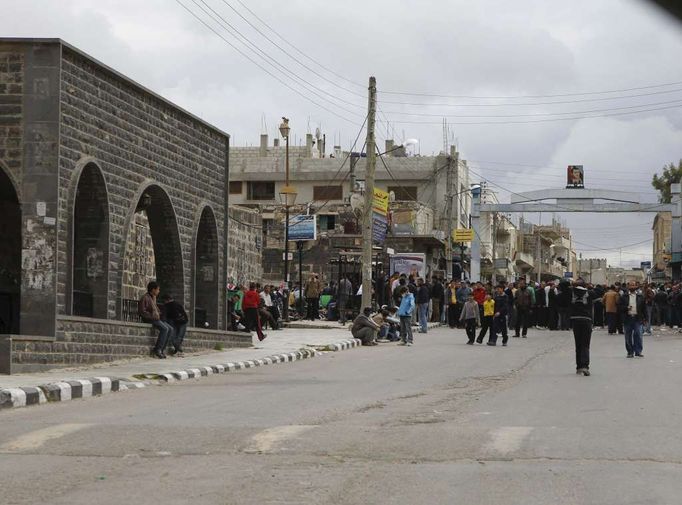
[[437, 423]]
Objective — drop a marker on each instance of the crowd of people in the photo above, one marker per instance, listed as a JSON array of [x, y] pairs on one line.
[[480, 309]]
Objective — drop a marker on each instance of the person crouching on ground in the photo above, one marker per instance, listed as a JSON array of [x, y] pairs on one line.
[[149, 312], [177, 318], [405, 313], [471, 318], [365, 328]]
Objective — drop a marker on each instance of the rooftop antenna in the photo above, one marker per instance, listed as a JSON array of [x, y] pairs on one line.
[[445, 136]]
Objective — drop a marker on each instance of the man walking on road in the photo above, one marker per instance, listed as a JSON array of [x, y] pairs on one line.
[[633, 312], [343, 294], [523, 301], [581, 321]]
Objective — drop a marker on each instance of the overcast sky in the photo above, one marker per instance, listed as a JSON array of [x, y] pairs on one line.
[[523, 51]]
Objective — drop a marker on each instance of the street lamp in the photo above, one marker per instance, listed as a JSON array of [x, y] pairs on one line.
[[287, 197]]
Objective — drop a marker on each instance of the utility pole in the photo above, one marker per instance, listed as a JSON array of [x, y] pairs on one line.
[[369, 197], [494, 245], [538, 244], [448, 219]]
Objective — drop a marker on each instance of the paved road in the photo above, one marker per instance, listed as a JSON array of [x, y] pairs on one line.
[[438, 423]]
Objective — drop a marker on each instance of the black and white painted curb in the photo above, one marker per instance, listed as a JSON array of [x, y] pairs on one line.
[[84, 388]]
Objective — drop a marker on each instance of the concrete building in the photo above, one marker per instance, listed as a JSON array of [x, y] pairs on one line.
[[104, 185], [545, 252], [593, 270], [498, 236], [329, 186]]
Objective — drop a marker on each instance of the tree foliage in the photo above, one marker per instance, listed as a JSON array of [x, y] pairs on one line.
[[671, 174]]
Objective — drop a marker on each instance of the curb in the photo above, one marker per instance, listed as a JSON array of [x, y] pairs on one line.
[[96, 386]]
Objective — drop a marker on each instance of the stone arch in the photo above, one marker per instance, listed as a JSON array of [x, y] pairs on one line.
[[151, 249], [206, 291], [89, 242], [10, 254]]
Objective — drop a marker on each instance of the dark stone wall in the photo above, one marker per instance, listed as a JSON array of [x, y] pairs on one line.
[[137, 140], [11, 111]]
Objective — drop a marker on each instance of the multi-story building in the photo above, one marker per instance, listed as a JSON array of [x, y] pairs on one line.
[[329, 186], [545, 252]]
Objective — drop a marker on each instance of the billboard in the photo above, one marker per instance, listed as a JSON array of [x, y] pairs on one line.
[[302, 227], [575, 177], [409, 263]]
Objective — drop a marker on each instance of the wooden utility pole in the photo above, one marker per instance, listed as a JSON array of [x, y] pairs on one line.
[[369, 197]]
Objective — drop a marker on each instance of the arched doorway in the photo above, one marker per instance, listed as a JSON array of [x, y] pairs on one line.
[[10, 256], [206, 271], [152, 251], [91, 245]]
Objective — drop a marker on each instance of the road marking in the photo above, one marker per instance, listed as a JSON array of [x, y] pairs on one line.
[[508, 439], [266, 440], [35, 439]]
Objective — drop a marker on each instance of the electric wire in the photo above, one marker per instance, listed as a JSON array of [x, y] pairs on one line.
[[267, 71], [227, 26], [624, 90]]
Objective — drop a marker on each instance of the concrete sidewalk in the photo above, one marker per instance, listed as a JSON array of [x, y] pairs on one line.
[[67, 383]]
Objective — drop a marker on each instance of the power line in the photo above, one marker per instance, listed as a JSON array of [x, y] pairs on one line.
[[532, 96], [535, 114], [225, 24], [297, 49], [543, 120], [554, 102], [287, 52], [277, 78]]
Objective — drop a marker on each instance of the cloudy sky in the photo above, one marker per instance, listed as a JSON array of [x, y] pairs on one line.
[[527, 87]]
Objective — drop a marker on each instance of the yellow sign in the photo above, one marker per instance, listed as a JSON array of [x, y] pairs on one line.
[[463, 235], [380, 202]]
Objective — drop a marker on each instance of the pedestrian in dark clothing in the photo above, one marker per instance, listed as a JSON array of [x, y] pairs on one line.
[[500, 318], [581, 320], [423, 297], [552, 314], [344, 292], [437, 297], [563, 305], [598, 307], [177, 318], [487, 320], [364, 327], [523, 301]]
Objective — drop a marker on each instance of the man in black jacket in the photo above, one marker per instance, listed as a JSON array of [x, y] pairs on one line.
[[500, 318], [633, 312], [423, 297], [580, 310], [177, 318], [437, 296], [563, 301]]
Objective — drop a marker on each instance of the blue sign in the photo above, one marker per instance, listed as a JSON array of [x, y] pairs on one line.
[[302, 227], [568, 275], [379, 227], [645, 265]]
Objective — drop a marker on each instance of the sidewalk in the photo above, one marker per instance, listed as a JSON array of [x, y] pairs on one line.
[[66, 383]]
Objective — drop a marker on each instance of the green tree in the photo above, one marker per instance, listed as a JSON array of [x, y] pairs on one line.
[[671, 174]]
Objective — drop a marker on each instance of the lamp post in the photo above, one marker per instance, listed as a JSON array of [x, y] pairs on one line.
[[287, 197]]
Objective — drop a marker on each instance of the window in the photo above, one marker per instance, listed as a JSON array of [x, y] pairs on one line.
[[235, 187], [323, 193], [403, 193], [261, 190], [326, 222]]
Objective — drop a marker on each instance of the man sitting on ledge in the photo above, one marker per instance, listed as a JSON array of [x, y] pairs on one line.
[[149, 312]]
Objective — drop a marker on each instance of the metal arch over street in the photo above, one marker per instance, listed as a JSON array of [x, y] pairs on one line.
[[578, 200]]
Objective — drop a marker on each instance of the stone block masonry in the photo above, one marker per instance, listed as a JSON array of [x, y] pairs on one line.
[[90, 155]]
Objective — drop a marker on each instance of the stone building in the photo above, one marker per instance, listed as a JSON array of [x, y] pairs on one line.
[[662, 232], [104, 185]]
